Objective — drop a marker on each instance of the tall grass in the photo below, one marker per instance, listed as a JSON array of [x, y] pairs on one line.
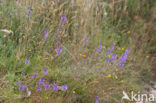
[[89, 26]]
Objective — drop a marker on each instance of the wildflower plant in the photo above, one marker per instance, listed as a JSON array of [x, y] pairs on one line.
[[96, 99], [110, 50], [59, 51], [45, 71], [45, 34], [56, 88], [123, 58], [27, 61], [86, 41], [78, 68], [99, 48], [113, 57], [23, 74], [63, 18], [34, 76], [21, 86], [29, 13]]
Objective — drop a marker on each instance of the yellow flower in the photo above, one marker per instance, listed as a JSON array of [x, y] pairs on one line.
[[10, 30], [74, 92], [147, 56], [109, 56], [109, 76], [129, 32], [123, 49], [81, 55], [46, 97]]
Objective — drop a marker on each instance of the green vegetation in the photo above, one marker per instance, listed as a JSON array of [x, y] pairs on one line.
[[97, 48]]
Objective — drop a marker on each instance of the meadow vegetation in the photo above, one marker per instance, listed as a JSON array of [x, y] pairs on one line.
[[76, 51]]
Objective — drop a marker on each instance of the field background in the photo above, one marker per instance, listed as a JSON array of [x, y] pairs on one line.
[[89, 30]]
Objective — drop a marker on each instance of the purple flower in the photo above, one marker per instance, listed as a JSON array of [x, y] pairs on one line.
[[46, 86], [123, 58], [38, 89], [127, 51], [56, 41], [27, 61], [18, 83], [113, 57], [63, 18], [45, 71], [98, 69], [55, 87], [96, 99], [21, 86], [46, 34], [23, 73], [121, 65], [86, 41], [110, 50], [58, 30], [41, 81], [59, 51], [46, 31], [99, 48], [29, 12], [34, 75], [64, 87]]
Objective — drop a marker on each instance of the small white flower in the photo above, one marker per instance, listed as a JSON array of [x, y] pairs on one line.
[[4, 36], [53, 3], [28, 93], [105, 13], [7, 31]]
